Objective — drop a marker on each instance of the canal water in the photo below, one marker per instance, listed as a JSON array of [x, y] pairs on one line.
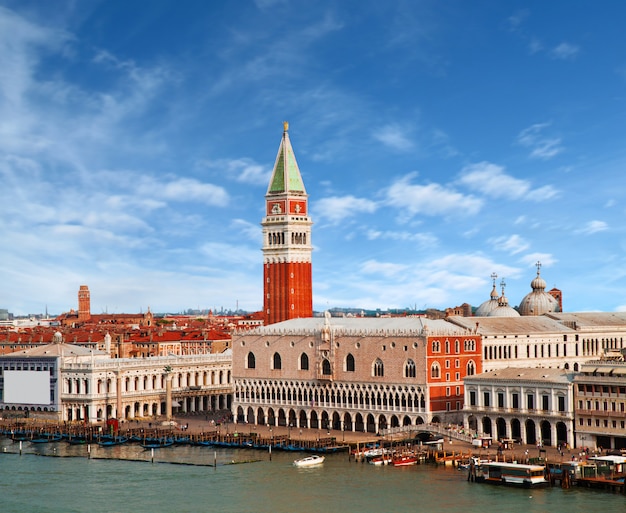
[[57, 477]]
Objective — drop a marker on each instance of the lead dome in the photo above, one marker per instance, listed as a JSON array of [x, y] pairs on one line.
[[538, 302]]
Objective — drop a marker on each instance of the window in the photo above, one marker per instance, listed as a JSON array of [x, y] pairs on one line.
[[530, 402], [545, 402], [379, 368], [436, 346], [409, 369], [277, 362], [472, 398], [251, 364], [486, 399], [500, 400], [326, 367], [515, 400], [562, 403], [447, 391], [304, 362], [471, 369], [349, 363], [434, 371]]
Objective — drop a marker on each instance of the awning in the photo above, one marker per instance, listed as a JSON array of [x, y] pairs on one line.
[[175, 404]]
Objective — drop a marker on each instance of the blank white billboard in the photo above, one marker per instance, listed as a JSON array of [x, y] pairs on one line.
[[27, 387]]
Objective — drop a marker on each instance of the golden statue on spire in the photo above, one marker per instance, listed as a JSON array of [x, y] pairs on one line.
[[286, 125]]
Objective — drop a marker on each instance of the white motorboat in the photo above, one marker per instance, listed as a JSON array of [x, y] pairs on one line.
[[309, 461]]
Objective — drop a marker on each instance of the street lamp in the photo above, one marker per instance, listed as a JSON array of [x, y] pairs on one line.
[[289, 432]]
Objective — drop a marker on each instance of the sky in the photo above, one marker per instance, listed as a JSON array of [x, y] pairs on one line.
[[439, 142]]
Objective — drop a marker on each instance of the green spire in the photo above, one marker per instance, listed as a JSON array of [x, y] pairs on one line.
[[286, 176]]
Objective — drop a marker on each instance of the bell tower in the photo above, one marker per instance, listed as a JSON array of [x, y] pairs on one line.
[[84, 304], [287, 278]]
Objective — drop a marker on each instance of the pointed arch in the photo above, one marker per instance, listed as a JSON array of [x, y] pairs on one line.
[[409, 369], [350, 366], [378, 368]]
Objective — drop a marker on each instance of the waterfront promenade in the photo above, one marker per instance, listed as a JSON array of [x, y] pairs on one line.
[[218, 425]]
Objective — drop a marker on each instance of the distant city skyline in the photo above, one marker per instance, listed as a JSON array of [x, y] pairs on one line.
[[438, 142]]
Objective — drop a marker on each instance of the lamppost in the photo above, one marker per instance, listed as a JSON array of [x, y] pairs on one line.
[[289, 432]]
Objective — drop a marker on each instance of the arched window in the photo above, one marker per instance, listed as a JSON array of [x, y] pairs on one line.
[[379, 369], [457, 346], [326, 367], [409, 369], [277, 362], [349, 363], [471, 369], [436, 346], [304, 362], [435, 371]]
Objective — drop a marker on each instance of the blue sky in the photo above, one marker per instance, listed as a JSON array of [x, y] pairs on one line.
[[439, 142]]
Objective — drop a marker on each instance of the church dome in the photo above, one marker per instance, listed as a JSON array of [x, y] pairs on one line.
[[538, 302], [491, 304], [503, 309]]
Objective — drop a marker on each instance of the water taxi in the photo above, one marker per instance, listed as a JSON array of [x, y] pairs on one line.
[[510, 474]]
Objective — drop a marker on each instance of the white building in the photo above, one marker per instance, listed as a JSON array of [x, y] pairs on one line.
[[532, 406], [65, 382]]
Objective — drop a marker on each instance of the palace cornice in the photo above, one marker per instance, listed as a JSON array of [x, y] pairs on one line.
[[349, 332]]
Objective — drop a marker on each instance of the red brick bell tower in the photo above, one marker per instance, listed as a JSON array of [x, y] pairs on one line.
[[84, 304], [287, 279]]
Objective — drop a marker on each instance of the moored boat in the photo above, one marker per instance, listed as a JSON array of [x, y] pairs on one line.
[[404, 459], [152, 443], [46, 438], [113, 441]]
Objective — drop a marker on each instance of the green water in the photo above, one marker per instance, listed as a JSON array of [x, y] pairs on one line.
[[37, 482]]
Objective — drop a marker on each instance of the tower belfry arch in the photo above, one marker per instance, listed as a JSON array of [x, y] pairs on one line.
[[287, 249]]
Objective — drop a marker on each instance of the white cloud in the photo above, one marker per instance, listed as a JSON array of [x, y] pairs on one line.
[[531, 259], [430, 199], [338, 208], [565, 51], [541, 147], [394, 136], [535, 45], [512, 244], [423, 239], [386, 269], [491, 180], [222, 252], [184, 189], [242, 170], [593, 227]]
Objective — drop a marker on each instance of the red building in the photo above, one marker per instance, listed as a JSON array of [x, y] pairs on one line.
[[287, 277], [449, 359]]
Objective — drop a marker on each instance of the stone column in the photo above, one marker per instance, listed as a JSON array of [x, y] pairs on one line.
[[118, 395], [168, 396]]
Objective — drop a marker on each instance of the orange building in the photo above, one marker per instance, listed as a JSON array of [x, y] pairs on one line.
[[287, 277], [450, 358]]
